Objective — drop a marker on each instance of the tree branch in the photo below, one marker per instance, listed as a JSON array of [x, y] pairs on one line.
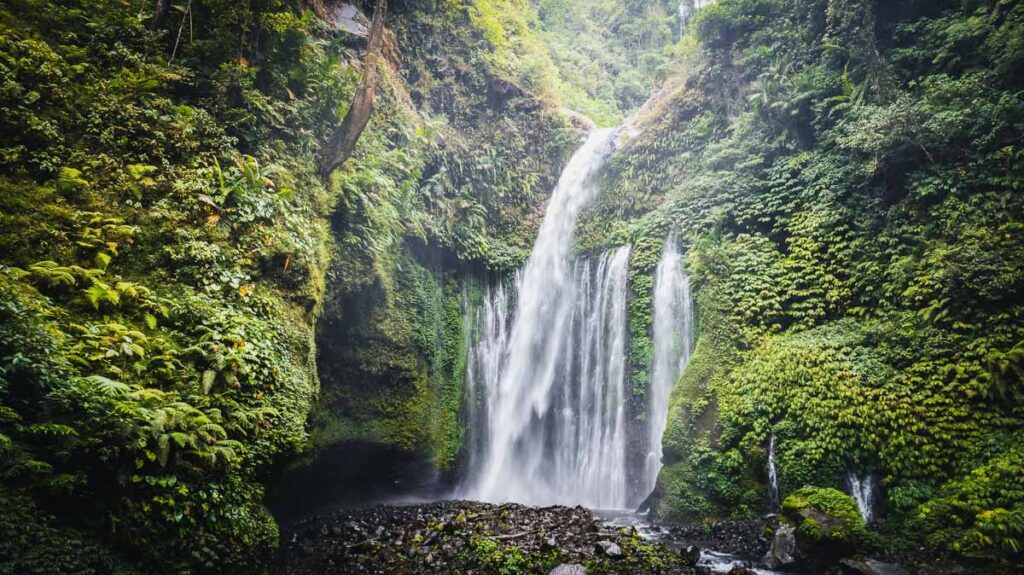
[[343, 142]]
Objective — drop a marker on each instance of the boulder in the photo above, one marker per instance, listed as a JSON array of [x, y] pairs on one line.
[[578, 120], [871, 567], [827, 523], [783, 549], [691, 555], [569, 569], [608, 549], [345, 17], [549, 544]]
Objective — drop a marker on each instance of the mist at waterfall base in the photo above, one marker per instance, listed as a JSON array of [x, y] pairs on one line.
[[547, 397]]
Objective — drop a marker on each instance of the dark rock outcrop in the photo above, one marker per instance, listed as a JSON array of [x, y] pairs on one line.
[[870, 567], [690, 555], [783, 549]]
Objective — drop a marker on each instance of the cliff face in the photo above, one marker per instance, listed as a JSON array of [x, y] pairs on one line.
[[175, 273], [490, 144], [853, 233]]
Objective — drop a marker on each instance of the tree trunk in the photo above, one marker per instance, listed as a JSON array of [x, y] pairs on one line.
[[159, 11], [343, 142]]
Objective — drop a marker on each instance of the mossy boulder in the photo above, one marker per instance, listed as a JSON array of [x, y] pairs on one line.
[[828, 524]]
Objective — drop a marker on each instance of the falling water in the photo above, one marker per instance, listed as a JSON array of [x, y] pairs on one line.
[[773, 476], [673, 341], [862, 489], [572, 449], [547, 392]]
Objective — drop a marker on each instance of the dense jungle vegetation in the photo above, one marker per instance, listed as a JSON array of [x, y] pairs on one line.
[[849, 177], [169, 248], [187, 305]]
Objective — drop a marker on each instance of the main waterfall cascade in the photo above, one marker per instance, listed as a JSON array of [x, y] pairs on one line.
[[673, 342], [547, 391], [548, 404]]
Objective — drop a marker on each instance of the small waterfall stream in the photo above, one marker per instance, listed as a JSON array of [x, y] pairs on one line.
[[673, 342], [862, 489], [773, 475]]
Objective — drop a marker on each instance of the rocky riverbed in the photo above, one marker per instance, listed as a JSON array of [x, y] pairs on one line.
[[460, 537], [472, 538]]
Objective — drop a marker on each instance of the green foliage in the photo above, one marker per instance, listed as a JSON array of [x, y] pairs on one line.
[[497, 558], [725, 24], [980, 514], [495, 139], [166, 255], [610, 55]]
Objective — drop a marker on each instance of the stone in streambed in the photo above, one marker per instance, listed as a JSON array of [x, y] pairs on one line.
[[569, 569], [783, 548], [827, 522], [690, 555], [549, 544], [608, 549]]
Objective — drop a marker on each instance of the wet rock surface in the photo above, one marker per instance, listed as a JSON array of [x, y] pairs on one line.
[[783, 548], [470, 538], [749, 538]]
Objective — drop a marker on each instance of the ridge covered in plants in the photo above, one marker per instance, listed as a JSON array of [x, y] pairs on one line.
[[848, 178]]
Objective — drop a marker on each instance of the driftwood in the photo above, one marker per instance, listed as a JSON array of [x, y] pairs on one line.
[[515, 535], [343, 141]]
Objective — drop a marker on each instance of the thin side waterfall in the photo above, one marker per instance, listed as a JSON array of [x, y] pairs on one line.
[[547, 390], [673, 342], [862, 489], [773, 476]]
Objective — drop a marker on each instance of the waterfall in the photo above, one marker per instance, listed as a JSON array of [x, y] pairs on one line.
[[862, 489], [547, 391], [673, 341], [773, 476]]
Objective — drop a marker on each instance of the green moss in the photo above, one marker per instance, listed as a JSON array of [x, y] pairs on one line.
[[394, 365], [824, 515]]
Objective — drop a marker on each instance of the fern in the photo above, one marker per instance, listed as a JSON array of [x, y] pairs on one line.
[[109, 387]]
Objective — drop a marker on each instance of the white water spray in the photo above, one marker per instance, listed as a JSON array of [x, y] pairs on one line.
[[673, 342], [547, 393], [862, 489]]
